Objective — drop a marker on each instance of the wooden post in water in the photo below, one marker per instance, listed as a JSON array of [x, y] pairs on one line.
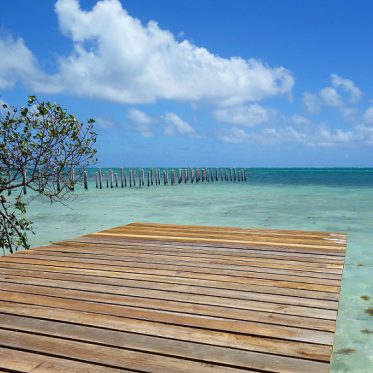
[[192, 176], [58, 181], [107, 179], [221, 175], [148, 176], [122, 177], [111, 178], [164, 177], [85, 178], [116, 180], [96, 180], [143, 177], [180, 176], [72, 178], [100, 177]]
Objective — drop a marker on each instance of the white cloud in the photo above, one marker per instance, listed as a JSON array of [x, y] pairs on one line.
[[17, 63], [141, 120], [320, 136], [330, 97], [341, 95], [368, 116], [348, 86], [104, 123], [300, 119], [311, 102], [117, 58], [246, 115], [176, 125]]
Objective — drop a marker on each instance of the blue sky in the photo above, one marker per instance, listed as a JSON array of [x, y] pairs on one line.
[[201, 83]]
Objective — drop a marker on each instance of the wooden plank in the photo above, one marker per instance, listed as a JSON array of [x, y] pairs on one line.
[[227, 268], [116, 358], [196, 351], [280, 249], [260, 279], [150, 297], [329, 270], [21, 361], [226, 241], [128, 248], [255, 286], [207, 228], [166, 312], [176, 292], [222, 235], [204, 249]]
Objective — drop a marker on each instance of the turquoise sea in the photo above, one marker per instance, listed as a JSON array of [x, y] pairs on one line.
[[307, 199]]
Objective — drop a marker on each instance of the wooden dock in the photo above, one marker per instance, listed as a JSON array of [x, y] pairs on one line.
[[170, 298]]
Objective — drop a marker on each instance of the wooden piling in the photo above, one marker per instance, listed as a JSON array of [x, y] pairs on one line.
[[143, 177], [116, 180], [122, 177], [72, 178], [100, 177], [85, 177], [111, 178], [96, 174]]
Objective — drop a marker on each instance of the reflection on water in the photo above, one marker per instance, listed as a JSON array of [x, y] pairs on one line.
[[330, 200]]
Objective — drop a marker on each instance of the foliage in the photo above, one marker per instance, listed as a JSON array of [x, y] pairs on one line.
[[40, 145]]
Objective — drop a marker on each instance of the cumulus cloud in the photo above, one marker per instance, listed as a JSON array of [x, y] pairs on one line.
[[320, 136], [245, 115], [341, 95], [368, 116], [176, 125], [104, 123], [311, 102], [117, 58], [17, 63], [300, 119], [348, 86], [141, 120]]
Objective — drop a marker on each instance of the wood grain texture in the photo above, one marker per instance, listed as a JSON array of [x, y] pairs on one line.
[[167, 298]]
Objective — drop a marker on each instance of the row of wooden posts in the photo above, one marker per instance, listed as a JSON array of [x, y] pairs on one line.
[[155, 176]]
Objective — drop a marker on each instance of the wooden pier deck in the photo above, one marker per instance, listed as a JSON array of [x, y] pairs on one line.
[[169, 298]]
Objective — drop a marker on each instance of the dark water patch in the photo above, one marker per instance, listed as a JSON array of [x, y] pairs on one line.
[[345, 351], [367, 331], [369, 311]]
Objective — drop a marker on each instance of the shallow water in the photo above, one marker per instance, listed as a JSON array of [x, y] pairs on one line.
[[309, 199]]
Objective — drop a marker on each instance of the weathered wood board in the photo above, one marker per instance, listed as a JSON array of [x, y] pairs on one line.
[[168, 298]]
